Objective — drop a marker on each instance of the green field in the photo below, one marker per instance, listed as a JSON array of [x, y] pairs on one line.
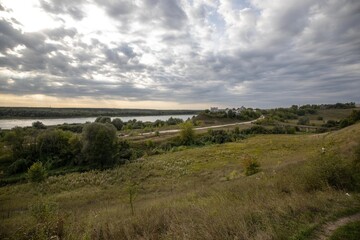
[[196, 193], [327, 114]]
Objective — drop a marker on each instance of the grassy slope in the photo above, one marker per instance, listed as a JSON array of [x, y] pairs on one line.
[[197, 193], [328, 114]]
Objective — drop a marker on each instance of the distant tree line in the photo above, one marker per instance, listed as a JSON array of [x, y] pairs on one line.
[[23, 112], [135, 124], [243, 115], [350, 120]]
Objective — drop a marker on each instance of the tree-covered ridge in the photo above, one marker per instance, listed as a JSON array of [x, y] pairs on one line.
[[25, 112]]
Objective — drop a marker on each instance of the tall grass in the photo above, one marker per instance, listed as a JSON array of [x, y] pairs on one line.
[[184, 195]]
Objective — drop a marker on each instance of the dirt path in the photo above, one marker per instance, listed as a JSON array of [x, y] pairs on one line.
[[200, 128], [329, 228]]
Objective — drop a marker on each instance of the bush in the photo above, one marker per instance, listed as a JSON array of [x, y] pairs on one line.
[[38, 125], [36, 173], [103, 119], [19, 166], [118, 124], [303, 121], [256, 130], [47, 223], [99, 142], [251, 166], [187, 134], [75, 128], [329, 171]]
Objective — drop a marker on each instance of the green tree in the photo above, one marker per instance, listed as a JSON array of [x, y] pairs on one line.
[[16, 138], [38, 125], [99, 143], [54, 144], [103, 119], [37, 173], [304, 121], [187, 134], [117, 123]]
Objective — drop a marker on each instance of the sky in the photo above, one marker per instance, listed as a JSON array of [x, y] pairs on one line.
[[184, 54]]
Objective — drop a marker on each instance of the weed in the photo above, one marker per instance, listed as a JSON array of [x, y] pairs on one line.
[[250, 165]]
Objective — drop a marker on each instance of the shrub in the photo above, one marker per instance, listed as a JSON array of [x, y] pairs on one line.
[[187, 134], [47, 221], [329, 171], [118, 124], [330, 124], [256, 130], [19, 166], [103, 119], [99, 142], [251, 166], [303, 121], [38, 125], [75, 128], [36, 173]]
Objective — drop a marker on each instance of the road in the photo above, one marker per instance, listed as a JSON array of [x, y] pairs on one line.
[[200, 128]]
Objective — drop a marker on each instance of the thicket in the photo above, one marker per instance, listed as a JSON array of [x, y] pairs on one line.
[[244, 115], [350, 120], [97, 147]]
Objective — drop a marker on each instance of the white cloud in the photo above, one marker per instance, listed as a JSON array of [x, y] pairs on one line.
[[259, 52]]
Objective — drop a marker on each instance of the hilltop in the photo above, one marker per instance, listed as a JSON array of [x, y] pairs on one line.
[[197, 193]]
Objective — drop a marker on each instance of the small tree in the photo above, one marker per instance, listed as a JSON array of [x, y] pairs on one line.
[[37, 173], [99, 143], [187, 134], [132, 189], [103, 119], [38, 125], [117, 123], [251, 166], [304, 121]]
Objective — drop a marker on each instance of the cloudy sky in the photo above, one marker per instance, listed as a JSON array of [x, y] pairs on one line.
[[184, 54]]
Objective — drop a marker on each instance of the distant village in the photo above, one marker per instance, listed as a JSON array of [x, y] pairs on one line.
[[236, 111]]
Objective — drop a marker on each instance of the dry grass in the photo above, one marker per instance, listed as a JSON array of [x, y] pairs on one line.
[[197, 193]]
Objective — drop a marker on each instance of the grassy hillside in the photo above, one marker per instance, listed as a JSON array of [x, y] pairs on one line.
[[196, 193]]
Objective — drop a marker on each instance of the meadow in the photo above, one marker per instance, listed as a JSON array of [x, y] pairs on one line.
[[197, 193]]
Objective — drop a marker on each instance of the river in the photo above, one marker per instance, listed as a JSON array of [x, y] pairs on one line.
[[10, 123]]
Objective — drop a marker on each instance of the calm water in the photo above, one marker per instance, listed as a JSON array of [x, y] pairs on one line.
[[10, 123]]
